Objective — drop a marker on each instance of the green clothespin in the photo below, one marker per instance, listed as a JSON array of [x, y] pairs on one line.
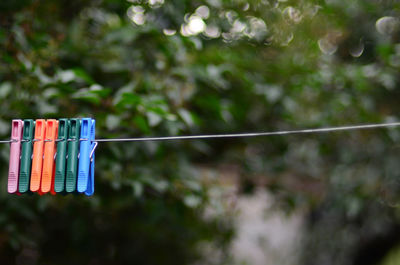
[[26, 156], [73, 150], [61, 158]]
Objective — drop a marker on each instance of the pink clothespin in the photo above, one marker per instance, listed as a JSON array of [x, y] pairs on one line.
[[15, 152]]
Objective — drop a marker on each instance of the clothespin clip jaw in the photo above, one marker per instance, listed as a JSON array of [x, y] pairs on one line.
[[86, 157], [26, 155], [61, 158], [72, 154], [47, 184], [37, 159], [15, 152]]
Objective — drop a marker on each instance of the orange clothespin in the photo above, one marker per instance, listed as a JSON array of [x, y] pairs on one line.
[[37, 159], [48, 171]]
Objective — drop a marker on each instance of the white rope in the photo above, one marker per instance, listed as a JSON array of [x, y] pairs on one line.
[[254, 134]]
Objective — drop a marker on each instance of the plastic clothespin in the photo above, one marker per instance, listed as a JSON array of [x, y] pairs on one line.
[[48, 171], [15, 152], [72, 157], [37, 159], [90, 190], [86, 162], [61, 158], [26, 156]]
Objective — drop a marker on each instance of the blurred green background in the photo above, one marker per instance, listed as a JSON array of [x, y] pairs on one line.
[[157, 68]]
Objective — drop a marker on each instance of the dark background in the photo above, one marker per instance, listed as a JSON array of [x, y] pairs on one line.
[[155, 68]]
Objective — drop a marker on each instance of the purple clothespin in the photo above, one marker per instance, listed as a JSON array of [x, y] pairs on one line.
[[15, 152]]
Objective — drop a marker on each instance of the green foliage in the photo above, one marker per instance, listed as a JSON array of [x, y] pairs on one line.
[[182, 67]]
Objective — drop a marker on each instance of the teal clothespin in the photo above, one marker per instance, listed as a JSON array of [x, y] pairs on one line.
[[26, 156], [72, 151], [61, 157]]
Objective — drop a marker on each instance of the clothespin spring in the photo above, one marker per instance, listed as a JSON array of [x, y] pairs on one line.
[[93, 149]]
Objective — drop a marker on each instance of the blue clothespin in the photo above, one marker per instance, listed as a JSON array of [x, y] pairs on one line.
[[86, 157], [90, 190]]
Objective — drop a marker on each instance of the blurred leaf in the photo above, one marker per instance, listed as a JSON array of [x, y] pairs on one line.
[[141, 123], [5, 89], [192, 201], [112, 122]]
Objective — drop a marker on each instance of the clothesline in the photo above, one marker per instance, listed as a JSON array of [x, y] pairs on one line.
[[243, 135], [63, 161]]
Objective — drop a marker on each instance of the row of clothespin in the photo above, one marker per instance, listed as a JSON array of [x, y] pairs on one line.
[[55, 156]]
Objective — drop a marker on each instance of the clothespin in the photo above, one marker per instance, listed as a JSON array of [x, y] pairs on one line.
[[37, 159], [61, 158], [26, 156], [72, 157], [86, 157], [15, 152], [48, 171], [93, 146]]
